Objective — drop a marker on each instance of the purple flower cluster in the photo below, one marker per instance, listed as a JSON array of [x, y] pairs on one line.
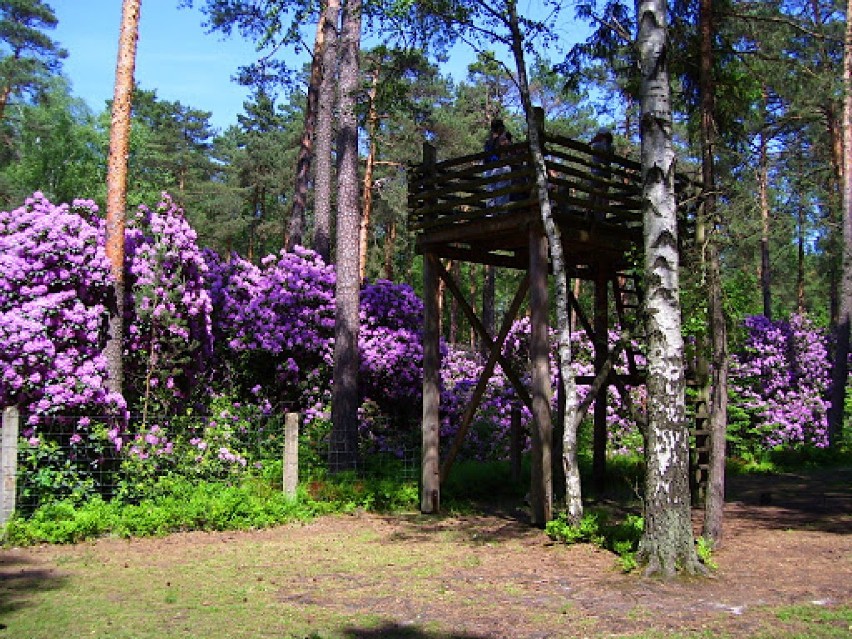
[[54, 293], [274, 326], [169, 334], [782, 375], [490, 433], [391, 344]]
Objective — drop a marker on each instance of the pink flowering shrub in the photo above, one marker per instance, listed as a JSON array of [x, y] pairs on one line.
[[780, 380], [54, 295], [169, 336]]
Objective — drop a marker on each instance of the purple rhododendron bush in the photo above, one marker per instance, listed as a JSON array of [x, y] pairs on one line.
[[217, 347]]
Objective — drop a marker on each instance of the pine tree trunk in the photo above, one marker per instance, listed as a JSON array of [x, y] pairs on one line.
[[488, 293], [840, 372], [372, 128], [390, 243], [763, 200], [667, 542], [717, 383], [343, 451], [296, 227], [573, 492], [325, 134], [119, 144]]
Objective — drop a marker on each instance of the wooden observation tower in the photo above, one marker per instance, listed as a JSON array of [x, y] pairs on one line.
[[464, 210]]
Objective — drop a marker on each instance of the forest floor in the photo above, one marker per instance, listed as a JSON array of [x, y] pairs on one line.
[[785, 570]]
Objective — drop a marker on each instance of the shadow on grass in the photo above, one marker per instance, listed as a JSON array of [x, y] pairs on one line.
[[21, 579], [819, 500], [396, 631]]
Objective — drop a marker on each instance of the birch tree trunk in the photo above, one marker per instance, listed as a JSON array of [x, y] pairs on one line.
[[667, 542], [119, 143], [573, 492], [344, 402], [840, 372], [325, 134]]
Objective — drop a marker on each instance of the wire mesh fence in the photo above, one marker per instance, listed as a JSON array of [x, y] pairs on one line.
[[78, 457]]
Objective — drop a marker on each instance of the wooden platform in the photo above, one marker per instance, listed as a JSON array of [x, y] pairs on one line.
[[458, 210], [484, 211]]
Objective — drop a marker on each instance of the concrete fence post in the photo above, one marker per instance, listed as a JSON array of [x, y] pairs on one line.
[[291, 454], [8, 462]]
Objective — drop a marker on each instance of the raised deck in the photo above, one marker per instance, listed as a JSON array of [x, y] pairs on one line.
[[462, 209]]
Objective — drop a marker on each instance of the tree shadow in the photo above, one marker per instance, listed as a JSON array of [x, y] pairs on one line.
[[819, 500], [392, 630], [480, 524], [20, 579]]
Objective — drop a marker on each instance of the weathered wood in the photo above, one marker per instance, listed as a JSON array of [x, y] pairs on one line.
[[476, 323], [8, 462], [291, 454], [541, 487], [484, 377], [601, 351], [430, 496]]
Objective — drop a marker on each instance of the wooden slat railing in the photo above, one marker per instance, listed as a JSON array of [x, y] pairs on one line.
[[582, 183]]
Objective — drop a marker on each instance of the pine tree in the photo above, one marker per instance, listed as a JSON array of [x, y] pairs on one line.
[[29, 56]]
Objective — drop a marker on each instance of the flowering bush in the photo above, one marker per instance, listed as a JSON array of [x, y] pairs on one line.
[[274, 326], [781, 377], [54, 295], [169, 335]]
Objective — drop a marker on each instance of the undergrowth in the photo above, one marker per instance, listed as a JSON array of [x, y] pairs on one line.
[[176, 504], [621, 538]]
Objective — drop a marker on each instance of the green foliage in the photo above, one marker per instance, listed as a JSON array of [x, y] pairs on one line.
[[621, 538], [704, 550], [177, 505]]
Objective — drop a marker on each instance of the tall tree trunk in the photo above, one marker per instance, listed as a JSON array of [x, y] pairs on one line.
[[573, 492], [372, 128], [390, 243], [453, 334], [119, 144], [488, 292], [763, 200], [840, 372], [296, 226], [325, 133], [5, 94], [667, 542], [472, 274], [715, 386], [344, 402], [800, 257]]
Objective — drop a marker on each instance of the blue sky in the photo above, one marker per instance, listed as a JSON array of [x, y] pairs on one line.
[[179, 59], [175, 55]]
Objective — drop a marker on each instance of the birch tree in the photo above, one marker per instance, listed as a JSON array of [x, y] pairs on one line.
[[667, 542]]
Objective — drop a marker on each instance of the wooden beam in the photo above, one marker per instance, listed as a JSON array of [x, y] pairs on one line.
[[487, 372], [541, 487], [430, 496], [600, 344], [507, 367]]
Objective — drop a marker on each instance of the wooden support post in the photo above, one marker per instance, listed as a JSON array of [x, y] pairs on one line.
[[291, 454], [8, 462], [559, 443], [541, 488], [430, 497], [516, 445], [601, 346]]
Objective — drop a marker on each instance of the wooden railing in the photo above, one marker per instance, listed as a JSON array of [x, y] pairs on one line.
[[582, 183]]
